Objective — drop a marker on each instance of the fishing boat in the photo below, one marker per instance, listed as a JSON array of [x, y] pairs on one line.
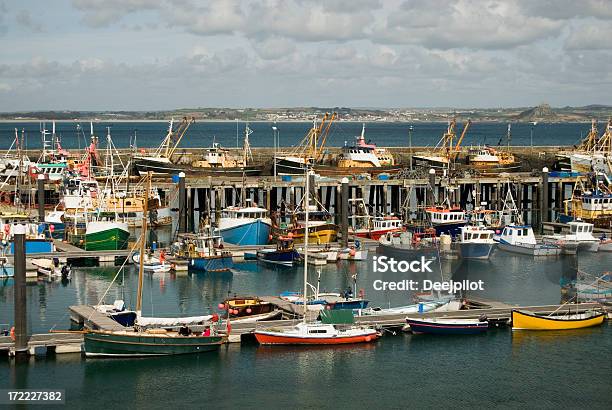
[[37, 240], [443, 326], [354, 252], [284, 254], [151, 337], [476, 242], [520, 239], [579, 232], [306, 333], [593, 153], [219, 161], [533, 321], [105, 233], [421, 307], [373, 227], [591, 201], [407, 245], [248, 225], [489, 159], [446, 220], [446, 151], [365, 157], [204, 251]]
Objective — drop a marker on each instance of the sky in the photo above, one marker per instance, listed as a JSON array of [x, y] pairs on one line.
[[167, 54]]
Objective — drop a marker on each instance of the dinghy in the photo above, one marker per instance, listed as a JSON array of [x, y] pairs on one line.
[[445, 326]]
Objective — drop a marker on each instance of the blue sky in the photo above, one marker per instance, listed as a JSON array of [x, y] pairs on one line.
[[164, 54]]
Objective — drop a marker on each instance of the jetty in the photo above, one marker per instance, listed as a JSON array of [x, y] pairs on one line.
[[89, 318]]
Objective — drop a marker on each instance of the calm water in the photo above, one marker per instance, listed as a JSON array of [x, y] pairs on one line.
[[500, 368], [202, 134]]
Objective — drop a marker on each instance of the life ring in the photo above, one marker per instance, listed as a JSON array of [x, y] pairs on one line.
[[13, 333]]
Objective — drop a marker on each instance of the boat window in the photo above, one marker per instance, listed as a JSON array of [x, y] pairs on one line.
[[572, 228], [525, 232], [318, 331]]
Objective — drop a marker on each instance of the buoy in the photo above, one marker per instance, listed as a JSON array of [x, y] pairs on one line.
[[13, 333], [249, 311], [221, 306], [215, 317], [51, 228]]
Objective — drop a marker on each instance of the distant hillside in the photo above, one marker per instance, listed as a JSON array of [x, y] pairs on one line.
[[540, 113]]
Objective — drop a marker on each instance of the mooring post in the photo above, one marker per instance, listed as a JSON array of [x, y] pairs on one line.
[[182, 204], [544, 204], [21, 317], [40, 180], [344, 211], [432, 185]]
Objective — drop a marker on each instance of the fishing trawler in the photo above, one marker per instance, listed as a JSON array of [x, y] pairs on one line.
[[446, 220], [284, 254], [579, 232], [444, 152], [204, 251], [591, 201], [487, 158], [593, 153], [219, 161], [249, 225]]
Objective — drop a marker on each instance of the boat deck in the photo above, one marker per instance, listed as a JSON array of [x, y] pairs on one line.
[[90, 318]]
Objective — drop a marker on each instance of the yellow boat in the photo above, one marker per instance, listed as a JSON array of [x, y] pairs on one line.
[[532, 321]]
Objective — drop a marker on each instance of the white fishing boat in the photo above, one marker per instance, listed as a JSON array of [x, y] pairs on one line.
[[579, 232], [476, 242], [520, 239]]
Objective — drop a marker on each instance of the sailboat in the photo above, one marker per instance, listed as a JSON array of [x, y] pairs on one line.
[[151, 336], [306, 333]]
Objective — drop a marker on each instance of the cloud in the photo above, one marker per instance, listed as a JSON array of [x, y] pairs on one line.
[[24, 19], [594, 36], [100, 13]]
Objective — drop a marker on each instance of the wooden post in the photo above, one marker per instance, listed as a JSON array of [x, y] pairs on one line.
[[344, 211], [21, 303]]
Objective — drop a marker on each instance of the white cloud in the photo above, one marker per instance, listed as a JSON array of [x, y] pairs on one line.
[[591, 36]]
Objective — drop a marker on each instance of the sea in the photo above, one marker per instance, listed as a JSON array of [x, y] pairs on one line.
[[502, 368], [76, 135]]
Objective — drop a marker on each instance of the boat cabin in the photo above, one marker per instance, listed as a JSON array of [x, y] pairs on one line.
[[597, 202], [386, 224], [582, 230], [514, 234], [245, 213], [476, 234], [443, 216]]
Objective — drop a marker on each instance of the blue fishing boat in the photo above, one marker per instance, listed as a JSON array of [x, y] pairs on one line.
[[284, 254], [448, 326], [204, 252], [245, 226]]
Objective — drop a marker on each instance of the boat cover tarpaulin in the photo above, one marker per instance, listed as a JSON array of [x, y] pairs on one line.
[[171, 321], [337, 316]]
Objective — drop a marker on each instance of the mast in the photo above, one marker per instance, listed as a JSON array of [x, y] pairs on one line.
[[143, 240], [306, 232]]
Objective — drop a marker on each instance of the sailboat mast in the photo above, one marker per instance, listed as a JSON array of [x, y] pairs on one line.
[[143, 240], [306, 232]]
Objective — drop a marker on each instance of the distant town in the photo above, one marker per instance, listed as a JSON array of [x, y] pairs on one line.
[[542, 113]]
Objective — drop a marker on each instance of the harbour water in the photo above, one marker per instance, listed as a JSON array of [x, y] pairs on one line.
[[502, 367], [229, 134]]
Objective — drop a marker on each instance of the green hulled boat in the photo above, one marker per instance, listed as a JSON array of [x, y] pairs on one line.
[[106, 236], [154, 343]]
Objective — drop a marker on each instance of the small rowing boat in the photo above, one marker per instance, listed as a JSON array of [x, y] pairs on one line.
[[448, 326], [533, 321]]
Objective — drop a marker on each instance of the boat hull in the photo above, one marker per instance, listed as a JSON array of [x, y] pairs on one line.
[[112, 239], [350, 304], [103, 344], [220, 263], [144, 165], [35, 246], [251, 233], [320, 234], [523, 321], [430, 327], [265, 338], [530, 250], [279, 257], [476, 250]]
